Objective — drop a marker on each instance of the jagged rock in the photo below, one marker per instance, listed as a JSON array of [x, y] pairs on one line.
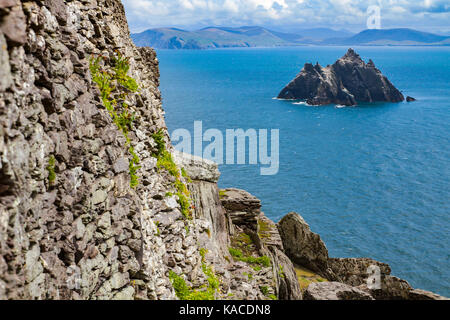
[[268, 233], [348, 81], [301, 245], [334, 291], [13, 26], [354, 271], [8, 3], [5, 69], [410, 99], [287, 283], [242, 207]]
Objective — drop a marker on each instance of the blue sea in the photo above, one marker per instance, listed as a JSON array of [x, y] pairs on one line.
[[372, 180]]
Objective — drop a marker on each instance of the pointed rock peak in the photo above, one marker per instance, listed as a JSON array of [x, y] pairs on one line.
[[308, 67], [318, 67], [371, 64], [351, 54]]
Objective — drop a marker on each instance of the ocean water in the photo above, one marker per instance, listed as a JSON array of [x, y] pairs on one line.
[[372, 180]]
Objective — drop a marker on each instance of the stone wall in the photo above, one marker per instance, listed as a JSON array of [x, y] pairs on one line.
[[87, 234], [71, 226]]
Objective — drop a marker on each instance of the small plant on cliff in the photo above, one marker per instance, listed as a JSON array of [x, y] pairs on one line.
[[264, 290], [165, 161], [239, 256], [222, 194], [51, 169], [116, 86], [281, 272], [184, 292]]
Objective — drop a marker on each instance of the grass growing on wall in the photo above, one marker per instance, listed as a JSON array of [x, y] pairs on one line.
[[184, 292], [238, 255], [165, 161], [111, 77], [51, 169]]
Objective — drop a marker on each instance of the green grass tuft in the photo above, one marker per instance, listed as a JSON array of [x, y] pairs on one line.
[[115, 87], [184, 292], [51, 169], [239, 256]]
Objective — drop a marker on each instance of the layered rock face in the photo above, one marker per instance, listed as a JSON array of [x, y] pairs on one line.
[[348, 81], [71, 226]]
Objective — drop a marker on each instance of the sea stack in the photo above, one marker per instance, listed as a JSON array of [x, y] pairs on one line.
[[348, 81]]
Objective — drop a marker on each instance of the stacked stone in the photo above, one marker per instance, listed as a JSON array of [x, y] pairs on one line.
[[85, 234]]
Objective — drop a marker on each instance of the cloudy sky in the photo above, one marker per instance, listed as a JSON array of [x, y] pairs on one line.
[[287, 15]]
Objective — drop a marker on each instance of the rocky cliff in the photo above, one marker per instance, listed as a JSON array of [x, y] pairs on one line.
[[348, 81], [94, 201]]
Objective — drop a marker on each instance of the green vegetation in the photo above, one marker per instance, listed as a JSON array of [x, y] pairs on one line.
[[264, 229], [203, 253], [222, 193], [249, 275], [264, 290], [245, 239], [281, 272], [51, 169], [165, 161], [184, 292], [158, 232], [115, 87], [185, 175], [306, 277], [239, 256], [256, 268]]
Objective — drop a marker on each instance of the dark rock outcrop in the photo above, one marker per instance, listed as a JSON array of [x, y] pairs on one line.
[[301, 245], [262, 236], [242, 207], [410, 99], [348, 81]]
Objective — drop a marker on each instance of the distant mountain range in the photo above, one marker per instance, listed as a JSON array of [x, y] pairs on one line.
[[253, 36]]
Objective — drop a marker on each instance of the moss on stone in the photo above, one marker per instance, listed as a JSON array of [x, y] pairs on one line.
[[239, 256], [165, 161], [264, 229], [184, 292], [306, 277], [222, 193], [51, 170], [115, 87]]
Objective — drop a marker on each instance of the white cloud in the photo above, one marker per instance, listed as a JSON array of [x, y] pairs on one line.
[[350, 14]]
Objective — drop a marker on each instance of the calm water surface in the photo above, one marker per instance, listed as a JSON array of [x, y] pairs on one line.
[[372, 180]]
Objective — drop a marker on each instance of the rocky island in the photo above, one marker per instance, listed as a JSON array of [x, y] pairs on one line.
[[348, 81], [96, 204]]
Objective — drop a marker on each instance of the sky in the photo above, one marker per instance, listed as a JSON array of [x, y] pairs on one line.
[[288, 15]]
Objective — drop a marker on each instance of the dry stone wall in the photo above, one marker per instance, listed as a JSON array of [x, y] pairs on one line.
[[71, 226]]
